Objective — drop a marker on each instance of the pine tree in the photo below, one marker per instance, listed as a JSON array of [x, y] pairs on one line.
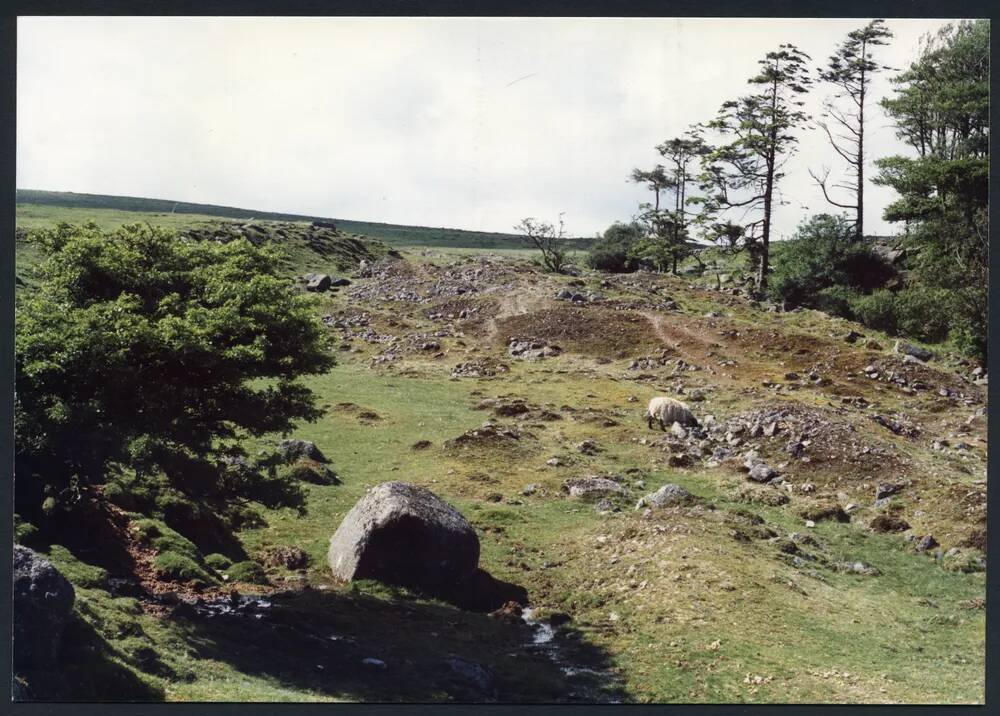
[[743, 173], [851, 70]]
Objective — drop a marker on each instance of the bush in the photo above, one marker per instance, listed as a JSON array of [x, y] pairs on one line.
[[836, 300], [180, 568], [877, 311], [248, 572], [823, 255], [218, 562], [140, 349], [918, 312], [611, 252]]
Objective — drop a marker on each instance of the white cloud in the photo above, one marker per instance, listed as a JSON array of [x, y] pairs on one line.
[[471, 123]]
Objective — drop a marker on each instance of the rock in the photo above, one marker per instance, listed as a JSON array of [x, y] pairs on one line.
[[762, 472], [553, 462], [885, 489], [667, 495], [605, 506], [679, 459], [289, 557], [293, 449], [404, 534], [595, 297], [678, 431], [319, 282], [853, 336], [925, 543], [340, 281], [592, 487], [373, 663], [530, 489], [587, 447], [911, 350], [888, 523], [471, 672], [42, 604], [564, 294]]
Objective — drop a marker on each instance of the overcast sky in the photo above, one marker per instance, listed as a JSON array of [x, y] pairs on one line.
[[468, 123]]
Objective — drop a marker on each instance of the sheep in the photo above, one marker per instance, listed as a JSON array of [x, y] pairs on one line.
[[667, 411]]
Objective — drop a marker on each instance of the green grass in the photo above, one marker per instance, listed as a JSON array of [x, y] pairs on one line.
[[668, 608]]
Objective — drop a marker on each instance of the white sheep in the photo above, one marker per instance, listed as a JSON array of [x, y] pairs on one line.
[[667, 411]]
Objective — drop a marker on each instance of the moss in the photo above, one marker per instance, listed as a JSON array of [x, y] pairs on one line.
[[217, 561], [249, 572], [81, 574], [180, 568], [24, 532], [305, 470], [155, 534]]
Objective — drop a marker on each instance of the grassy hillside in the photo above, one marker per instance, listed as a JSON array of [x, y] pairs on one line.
[[731, 596], [38, 208]]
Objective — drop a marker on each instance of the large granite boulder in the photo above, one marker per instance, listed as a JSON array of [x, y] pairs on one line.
[[43, 602], [404, 534]]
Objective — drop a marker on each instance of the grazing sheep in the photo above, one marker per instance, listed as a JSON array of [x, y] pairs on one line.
[[667, 411]]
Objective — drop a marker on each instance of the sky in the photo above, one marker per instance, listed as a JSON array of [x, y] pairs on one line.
[[470, 123]]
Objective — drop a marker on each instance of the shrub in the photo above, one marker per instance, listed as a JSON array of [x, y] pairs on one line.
[[143, 350], [611, 252], [918, 312], [249, 572], [823, 255], [836, 300], [877, 311], [218, 562]]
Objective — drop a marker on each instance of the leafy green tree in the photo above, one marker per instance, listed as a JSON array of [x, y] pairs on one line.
[[824, 254], [681, 154], [743, 173], [660, 244], [851, 70], [143, 350], [941, 110], [611, 251]]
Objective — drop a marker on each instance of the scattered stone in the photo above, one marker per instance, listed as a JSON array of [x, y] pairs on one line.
[[925, 543], [885, 489], [588, 447], [530, 489], [853, 336], [292, 450], [592, 487], [421, 445], [605, 506], [762, 473], [909, 349], [288, 557], [319, 282], [666, 496], [373, 663]]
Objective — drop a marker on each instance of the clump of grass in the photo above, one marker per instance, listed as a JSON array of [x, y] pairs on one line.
[[218, 562], [155, 534], [178, 568], [249, 572]]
